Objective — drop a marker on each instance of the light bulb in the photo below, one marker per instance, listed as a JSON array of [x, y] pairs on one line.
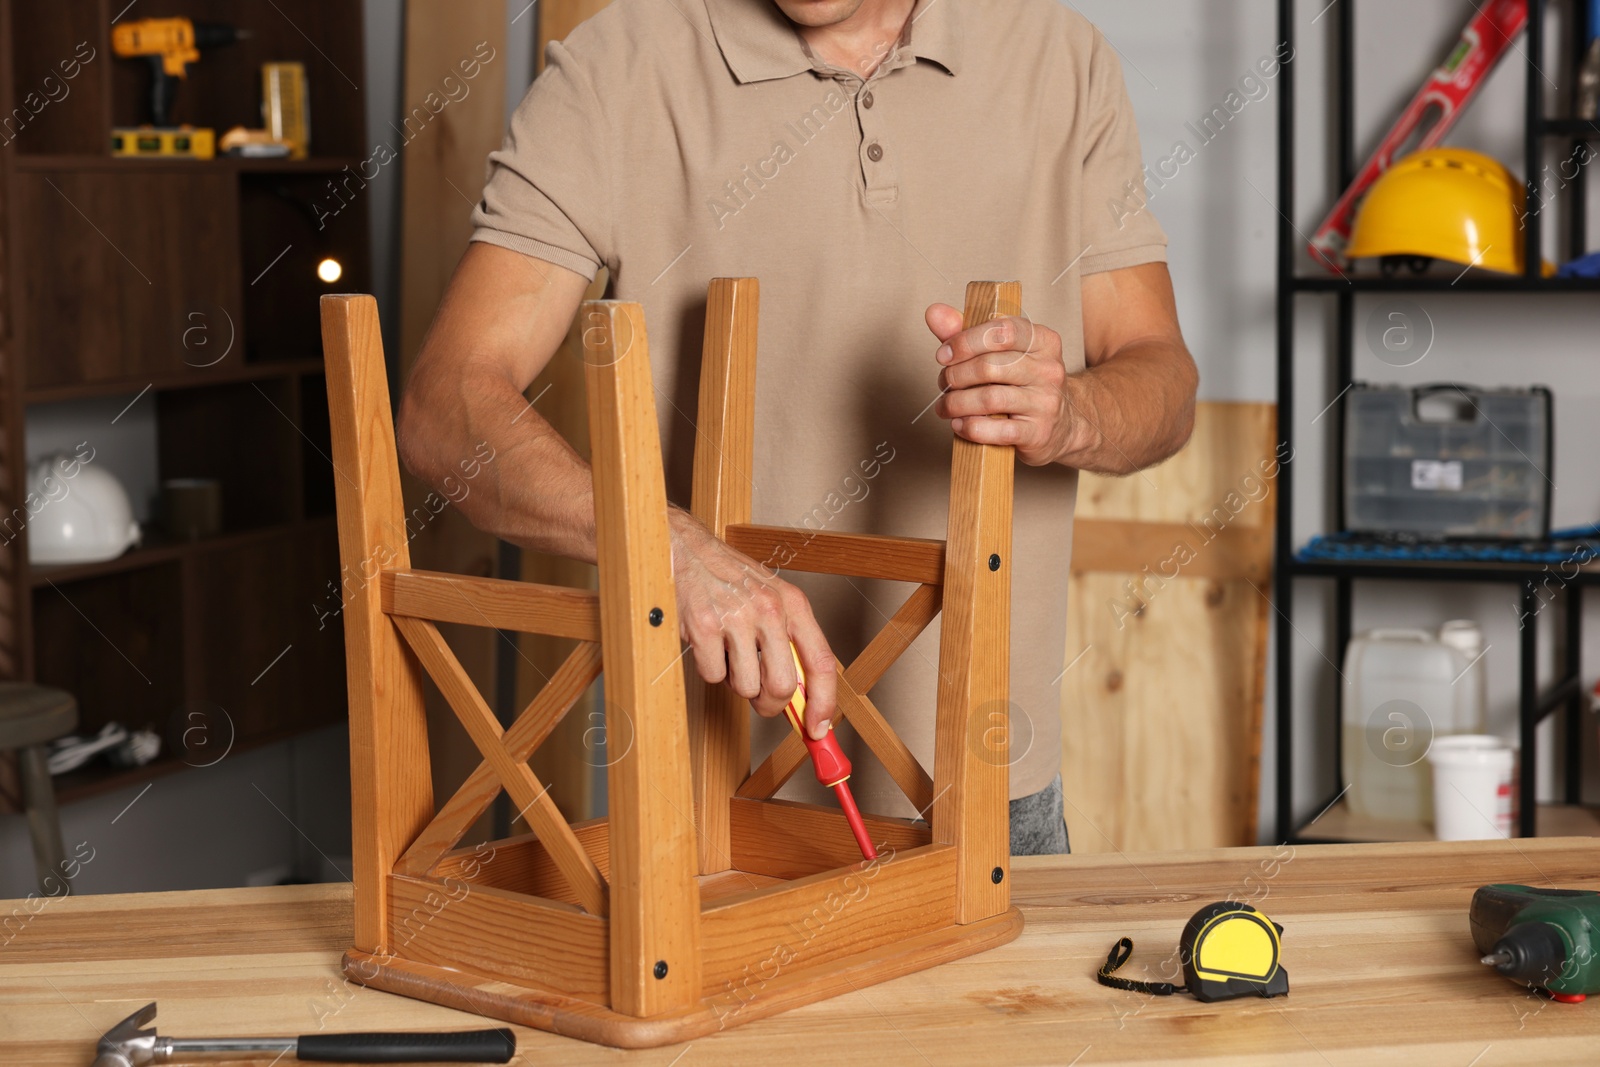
[[329, 270]]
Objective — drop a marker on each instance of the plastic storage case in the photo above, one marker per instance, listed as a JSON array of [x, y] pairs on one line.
[[1447, 461]]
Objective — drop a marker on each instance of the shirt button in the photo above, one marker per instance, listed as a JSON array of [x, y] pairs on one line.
[[874, 151], [866, 100]]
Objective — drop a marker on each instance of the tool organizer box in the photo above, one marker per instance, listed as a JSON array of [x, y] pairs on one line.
[[700, 902]]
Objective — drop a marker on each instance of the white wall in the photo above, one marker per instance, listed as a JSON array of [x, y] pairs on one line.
[[1220, 213]]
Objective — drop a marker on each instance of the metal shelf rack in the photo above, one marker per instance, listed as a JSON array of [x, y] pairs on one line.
[[1532, 581]]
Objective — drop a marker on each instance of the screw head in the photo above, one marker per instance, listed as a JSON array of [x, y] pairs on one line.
[[660, 970], [656, 615], [994, 561], [997, 876]]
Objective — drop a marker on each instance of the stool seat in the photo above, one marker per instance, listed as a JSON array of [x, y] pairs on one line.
[[34, 714]]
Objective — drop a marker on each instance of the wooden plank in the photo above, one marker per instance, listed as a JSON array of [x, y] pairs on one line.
[[896, 559], [912, 617], [829, 916], [557, 18], [724, 456], [391, 796], [526, 607], [444, 151], [1124, 546], [454, 924], [788, 839], [568, 763], [970, 809], [1161, 715], [445, 142], [524, 736], [655, 957], [515, 775]]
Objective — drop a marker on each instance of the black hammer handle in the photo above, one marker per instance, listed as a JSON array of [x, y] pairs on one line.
[[473, 1046]]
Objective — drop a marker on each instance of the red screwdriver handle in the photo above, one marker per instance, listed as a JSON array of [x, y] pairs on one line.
[[829, 761], [832, 765]]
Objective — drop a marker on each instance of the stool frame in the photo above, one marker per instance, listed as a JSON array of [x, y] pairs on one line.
[[700, 901]]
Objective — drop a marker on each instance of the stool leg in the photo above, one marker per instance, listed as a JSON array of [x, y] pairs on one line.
[[39, 800]]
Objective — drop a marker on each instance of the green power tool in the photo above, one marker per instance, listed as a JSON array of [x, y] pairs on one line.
[[1547, 939]]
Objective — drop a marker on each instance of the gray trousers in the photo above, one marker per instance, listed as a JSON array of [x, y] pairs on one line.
[[1038, 826]]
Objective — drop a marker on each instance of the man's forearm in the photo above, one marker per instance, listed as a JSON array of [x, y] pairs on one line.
[[538, 492], [1131, 411]]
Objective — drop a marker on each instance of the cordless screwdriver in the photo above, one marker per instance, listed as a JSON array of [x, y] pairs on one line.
[[1545, 938]]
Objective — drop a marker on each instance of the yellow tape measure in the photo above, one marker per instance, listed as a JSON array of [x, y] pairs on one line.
[[1228, 950]]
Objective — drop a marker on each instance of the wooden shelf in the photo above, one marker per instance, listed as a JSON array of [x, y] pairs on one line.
[[1445, 281], [313, 165], [106, 262], [1463, 570], [158, 549], [193, 378], [1339, 823], [98, 777]]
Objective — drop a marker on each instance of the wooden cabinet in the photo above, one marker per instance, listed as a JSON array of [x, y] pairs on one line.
[[190, 287], [108, 270]]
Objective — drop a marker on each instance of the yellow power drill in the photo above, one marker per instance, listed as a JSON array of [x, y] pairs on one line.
[[170, 45]]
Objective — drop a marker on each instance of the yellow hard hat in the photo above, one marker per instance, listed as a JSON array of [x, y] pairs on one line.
[[1444, 203]]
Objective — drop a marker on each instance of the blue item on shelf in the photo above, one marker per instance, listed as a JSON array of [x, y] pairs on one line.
[[1580, 543], [1586, 267]]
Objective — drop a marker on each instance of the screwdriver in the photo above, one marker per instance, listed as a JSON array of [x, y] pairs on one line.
[[828, 760]]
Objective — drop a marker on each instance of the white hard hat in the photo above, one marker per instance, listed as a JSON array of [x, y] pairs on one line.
[[84, 518]]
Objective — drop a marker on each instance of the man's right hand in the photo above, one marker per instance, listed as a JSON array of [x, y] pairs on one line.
[[739, 617]]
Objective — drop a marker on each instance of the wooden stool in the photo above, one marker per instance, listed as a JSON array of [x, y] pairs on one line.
[[31, 716], [699, 902]]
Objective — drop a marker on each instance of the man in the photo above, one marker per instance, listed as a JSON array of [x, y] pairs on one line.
[[864, 159]]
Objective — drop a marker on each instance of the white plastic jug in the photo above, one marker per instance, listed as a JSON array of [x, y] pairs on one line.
[[1466, 637], [1405, 688]]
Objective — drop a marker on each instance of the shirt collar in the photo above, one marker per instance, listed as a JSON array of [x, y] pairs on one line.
[[760, 44]]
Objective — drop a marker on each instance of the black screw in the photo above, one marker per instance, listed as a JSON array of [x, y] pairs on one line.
[[994, 562], [661, 965], [656, 616], [997, 876]]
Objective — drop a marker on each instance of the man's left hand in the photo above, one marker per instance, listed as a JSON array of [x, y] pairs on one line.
[[1010, 367]]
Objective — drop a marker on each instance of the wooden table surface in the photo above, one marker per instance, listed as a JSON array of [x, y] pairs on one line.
[[1382, 970]]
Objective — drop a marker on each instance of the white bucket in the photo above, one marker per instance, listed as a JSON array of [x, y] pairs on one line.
[[1472, 779]]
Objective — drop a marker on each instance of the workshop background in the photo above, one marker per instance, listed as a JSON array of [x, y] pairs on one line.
[[253, 789]]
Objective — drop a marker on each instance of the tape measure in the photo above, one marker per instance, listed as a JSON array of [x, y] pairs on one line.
[[1228, 950]]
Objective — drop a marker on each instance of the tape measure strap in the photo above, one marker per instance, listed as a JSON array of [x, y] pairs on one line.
[[1116, 958]]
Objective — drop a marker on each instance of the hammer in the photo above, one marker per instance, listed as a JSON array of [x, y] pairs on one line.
[[126, 1045]]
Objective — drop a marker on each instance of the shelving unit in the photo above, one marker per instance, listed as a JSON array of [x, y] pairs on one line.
[[1297, 277], [108, 268]]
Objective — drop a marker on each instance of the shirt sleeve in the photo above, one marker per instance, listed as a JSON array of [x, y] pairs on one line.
[[547, 192], [1118, 228]]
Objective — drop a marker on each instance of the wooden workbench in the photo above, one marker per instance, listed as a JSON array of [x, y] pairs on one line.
[[1382, 970]]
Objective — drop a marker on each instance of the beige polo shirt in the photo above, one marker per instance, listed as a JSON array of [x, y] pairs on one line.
[[674, 141]]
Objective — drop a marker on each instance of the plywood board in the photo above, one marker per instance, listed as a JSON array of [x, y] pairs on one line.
[[1166, 643]]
